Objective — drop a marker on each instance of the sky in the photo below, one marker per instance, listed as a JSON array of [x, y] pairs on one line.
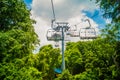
[[72, 11]]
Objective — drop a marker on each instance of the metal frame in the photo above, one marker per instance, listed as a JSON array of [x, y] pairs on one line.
[[54, 36]]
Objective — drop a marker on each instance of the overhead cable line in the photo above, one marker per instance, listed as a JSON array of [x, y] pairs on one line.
[[54, 18]]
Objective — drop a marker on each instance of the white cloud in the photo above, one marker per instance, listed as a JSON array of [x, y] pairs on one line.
[[58, 2], [41, 28], [66, 10]]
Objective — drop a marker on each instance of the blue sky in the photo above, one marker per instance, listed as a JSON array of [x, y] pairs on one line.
[[28, 1], [66, 10], [97, 17]]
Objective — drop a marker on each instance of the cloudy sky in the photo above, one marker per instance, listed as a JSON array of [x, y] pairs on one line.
[[72, 11]]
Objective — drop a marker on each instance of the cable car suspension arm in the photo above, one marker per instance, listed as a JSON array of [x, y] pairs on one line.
[[54, 18], [88, 22]]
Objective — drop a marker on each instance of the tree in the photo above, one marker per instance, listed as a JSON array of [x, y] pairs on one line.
[[111, 10], [17, 40], [17, 34], [48, 60], [73, 58], [65, 76], [18, 18], [91, 60], [16, 71]]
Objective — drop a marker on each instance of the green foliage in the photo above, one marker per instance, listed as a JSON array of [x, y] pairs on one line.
[[111, 32], [91, 60], [15, 43], [18, 18], [87, 75], [74, 62], [17, 40], [48, 60], [65, 76], [111, 9], [11, 71], [17, 36]]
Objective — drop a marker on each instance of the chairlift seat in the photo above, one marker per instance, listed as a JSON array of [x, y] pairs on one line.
[[87, 33], [74, 34], [53, 35]]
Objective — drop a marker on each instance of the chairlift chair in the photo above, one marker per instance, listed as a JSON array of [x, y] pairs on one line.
[[74, 34], [73, 31], [87, 33], [53, 35]]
